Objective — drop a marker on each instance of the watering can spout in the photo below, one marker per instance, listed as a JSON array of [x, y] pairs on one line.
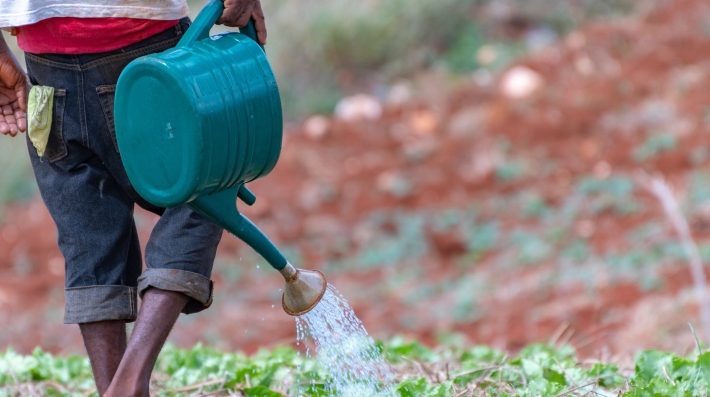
[[304, 289], [221, 208]]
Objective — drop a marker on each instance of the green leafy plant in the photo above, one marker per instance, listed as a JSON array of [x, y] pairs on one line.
[[610, 194], [538, 370], [529, 247], [510, 171], [653, 146]]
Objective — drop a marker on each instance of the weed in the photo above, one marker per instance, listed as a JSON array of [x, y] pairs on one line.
[[510, 171], [699, 188], [619, 186], [577, 251], [653, 146], [534, 206], [482, 238], [614, 193], [529, 247], [408, 242], [465, 53], [447, 219], [462, 55]]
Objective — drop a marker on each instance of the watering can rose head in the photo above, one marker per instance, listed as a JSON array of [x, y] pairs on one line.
[[304, 289], [197, 122]]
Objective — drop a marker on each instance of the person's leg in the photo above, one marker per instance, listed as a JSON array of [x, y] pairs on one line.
[[160, 307], [158, 313], [94, 218], [105, 343], [105, 340], [80, 182], [179, 256]]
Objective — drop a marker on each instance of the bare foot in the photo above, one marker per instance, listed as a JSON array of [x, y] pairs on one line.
[[159, 311]]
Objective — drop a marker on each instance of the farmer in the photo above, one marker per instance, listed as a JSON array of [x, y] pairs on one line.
[[75, 51]]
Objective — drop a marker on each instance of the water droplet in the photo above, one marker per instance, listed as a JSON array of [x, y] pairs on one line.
[[343, 346], [257, 266], [272, 306]]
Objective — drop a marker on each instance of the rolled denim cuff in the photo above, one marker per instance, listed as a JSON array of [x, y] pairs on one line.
[[196, 286], [100, 303]]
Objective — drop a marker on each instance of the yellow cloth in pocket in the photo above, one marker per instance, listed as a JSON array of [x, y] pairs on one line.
[[39, 116]]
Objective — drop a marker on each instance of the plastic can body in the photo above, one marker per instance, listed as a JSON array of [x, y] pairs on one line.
[[198, 119]]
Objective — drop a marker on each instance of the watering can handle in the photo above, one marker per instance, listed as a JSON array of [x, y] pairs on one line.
[[246, 195], [200, 28]]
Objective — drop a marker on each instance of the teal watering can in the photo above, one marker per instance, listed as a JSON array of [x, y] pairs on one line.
[[197, 122]]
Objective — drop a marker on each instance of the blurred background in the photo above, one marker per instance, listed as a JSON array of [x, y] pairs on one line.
[[466, 169]]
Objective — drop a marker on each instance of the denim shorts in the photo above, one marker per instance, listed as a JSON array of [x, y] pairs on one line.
[[85, 187]]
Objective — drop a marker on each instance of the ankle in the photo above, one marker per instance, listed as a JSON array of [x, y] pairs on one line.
[[126, 390], [105, 343]]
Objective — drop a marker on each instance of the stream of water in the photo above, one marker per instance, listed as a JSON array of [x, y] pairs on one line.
[[344, 348]]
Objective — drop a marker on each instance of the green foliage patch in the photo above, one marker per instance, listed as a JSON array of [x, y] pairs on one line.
[[16, 177], [538, 370], [333, 44]]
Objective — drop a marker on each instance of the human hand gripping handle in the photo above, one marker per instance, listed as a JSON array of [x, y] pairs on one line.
[[238, 12], [13, 93]]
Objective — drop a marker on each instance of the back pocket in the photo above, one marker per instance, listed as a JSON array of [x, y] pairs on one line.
[[56, 146], [107, 94]]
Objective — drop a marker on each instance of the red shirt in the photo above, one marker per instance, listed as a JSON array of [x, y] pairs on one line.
[[86, 35]]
